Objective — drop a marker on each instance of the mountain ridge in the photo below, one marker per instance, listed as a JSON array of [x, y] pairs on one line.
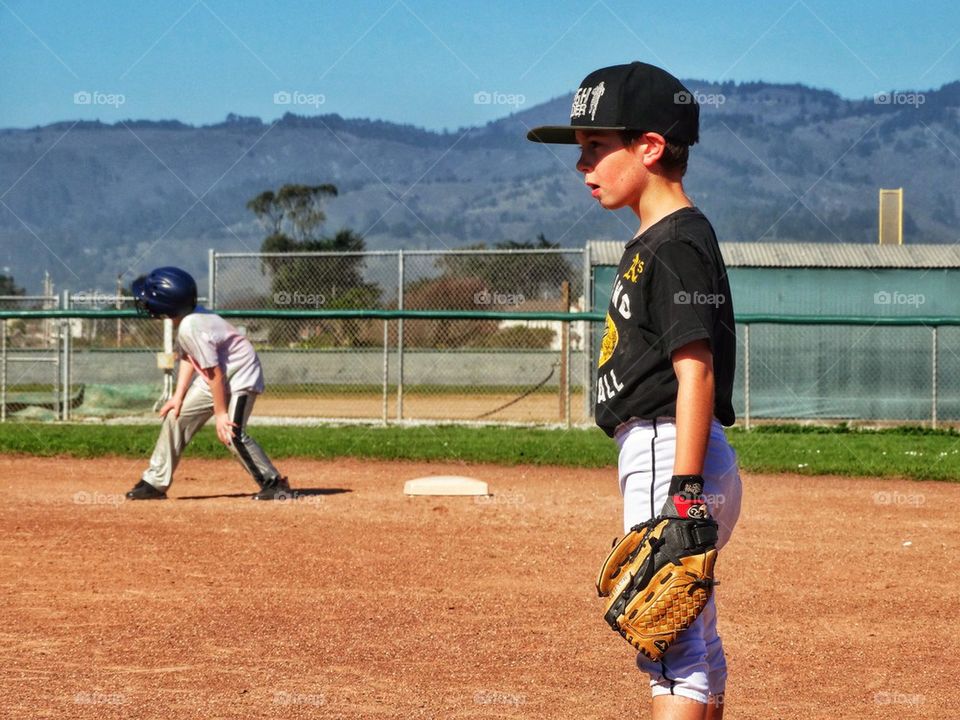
[[775, 162]]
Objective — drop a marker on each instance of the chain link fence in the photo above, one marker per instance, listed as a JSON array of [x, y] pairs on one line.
[[522, 370], [852, 369], [29, 357], [897, 370], [112, 360], [497, 348], [78, 367]]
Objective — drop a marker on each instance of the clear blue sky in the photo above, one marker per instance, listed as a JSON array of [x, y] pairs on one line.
[[422, 61]]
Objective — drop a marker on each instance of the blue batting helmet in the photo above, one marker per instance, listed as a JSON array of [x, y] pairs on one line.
[[165, 292]]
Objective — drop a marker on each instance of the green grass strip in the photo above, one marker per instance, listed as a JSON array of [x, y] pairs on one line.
[[447, 443], [909, 452], [915, 453]]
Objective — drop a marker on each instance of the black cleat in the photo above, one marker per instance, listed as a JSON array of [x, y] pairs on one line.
[[145, 491], [275, 489]]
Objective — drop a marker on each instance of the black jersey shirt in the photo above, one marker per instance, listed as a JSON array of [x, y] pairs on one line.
[[671, 289]]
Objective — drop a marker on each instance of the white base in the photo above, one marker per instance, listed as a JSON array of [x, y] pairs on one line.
[[445, 485]]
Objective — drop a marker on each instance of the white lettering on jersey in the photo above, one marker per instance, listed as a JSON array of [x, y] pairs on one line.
[[621, 300], [608, 386]]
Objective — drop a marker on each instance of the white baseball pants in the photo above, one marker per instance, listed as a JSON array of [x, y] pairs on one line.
[[196, 409], [694, 666]]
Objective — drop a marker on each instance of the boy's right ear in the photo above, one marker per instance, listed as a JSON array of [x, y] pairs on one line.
[[651, 146]]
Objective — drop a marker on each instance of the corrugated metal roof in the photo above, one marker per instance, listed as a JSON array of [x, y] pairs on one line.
[[822, 255]]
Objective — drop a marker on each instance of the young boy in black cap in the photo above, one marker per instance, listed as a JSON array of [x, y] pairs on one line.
[[667, 358]]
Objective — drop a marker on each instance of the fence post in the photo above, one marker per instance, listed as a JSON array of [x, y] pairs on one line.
[[3, 371], [933, 410], [565, 353], [566, 362], [119, 306], [746, 375], [386, 367], [65, 367], [212, 279], [53, 340], [400, 335], [587, 339]]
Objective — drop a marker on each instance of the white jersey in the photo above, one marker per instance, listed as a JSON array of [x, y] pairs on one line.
[[206, 340]]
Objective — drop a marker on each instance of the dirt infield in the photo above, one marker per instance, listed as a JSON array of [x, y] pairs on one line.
[[838, 596]]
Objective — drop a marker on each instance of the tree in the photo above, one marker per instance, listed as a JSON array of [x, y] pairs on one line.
[[294, 216], [8, 286], [447, 293], [331, 276], [297, 208], [533, 276]]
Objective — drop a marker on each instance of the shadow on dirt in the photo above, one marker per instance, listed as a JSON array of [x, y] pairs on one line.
[[294, 494]]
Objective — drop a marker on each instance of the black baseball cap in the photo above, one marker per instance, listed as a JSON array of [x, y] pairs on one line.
[[637, 96]]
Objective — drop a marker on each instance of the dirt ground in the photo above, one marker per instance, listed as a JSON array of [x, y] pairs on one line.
[[838, 596]]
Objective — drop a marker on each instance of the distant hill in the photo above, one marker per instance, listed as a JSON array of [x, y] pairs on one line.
[[775, 162]]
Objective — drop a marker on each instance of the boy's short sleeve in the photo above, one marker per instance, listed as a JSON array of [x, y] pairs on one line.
[[683, 300], [198, 344]]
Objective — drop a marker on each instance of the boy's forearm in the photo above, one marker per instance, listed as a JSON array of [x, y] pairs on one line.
[[218, 389], [694, 413], [184, 376]]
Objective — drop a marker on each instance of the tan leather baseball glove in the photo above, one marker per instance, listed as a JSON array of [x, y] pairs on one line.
[[660, 575]]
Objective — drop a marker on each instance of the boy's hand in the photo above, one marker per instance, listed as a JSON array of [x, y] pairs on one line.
[[225, 428], [171, 406], [685, 498]]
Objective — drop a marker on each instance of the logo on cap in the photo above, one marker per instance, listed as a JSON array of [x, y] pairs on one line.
[[587, 96]]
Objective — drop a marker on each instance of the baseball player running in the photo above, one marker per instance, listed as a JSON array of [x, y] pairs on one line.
[[219, 376], [665, 375]]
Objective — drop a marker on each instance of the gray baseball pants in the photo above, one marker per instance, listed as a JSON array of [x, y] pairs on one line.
[[197, 408]]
